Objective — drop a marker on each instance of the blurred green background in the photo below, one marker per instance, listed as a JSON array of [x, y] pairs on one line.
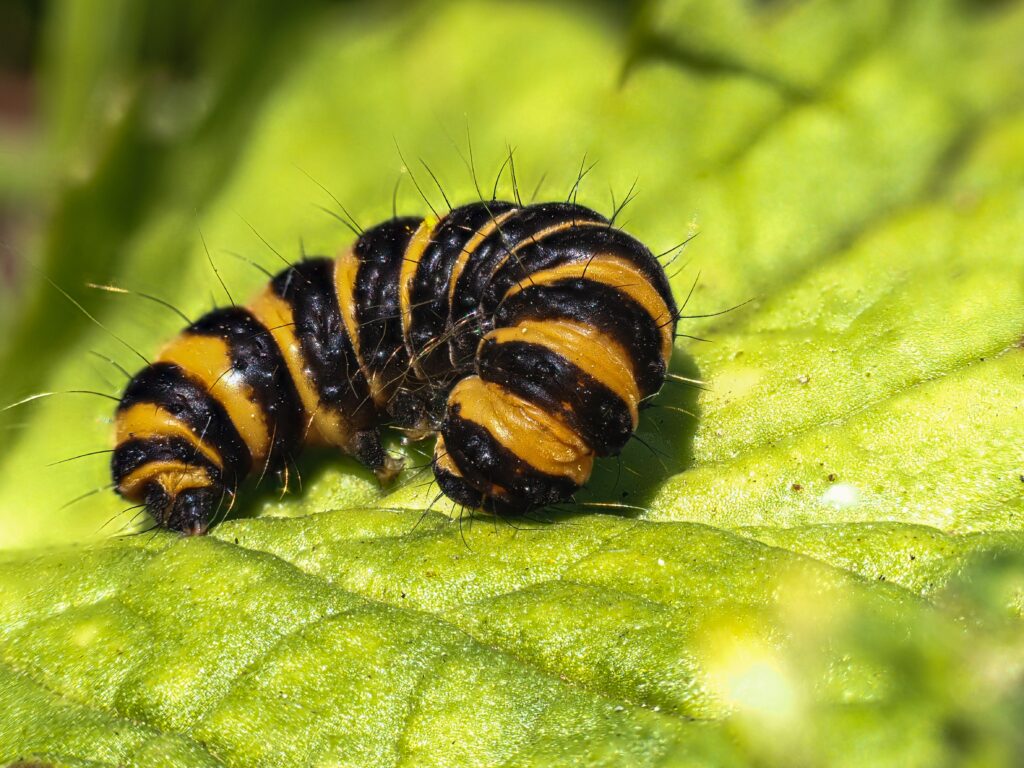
[[822, 565]]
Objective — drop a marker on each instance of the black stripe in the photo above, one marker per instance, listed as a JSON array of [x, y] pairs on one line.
[[475, 279], [256, 358], [576, 245], [457, 489], [378, 312], [428, 295], [592, 303], [560, 388], [173, 389], [308, 287], [483, 460], [132, 454]]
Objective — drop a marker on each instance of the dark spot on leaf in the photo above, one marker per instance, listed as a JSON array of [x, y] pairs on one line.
[[959, 734]]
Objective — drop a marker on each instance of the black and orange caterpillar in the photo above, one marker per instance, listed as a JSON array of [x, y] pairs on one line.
[[526, 337]]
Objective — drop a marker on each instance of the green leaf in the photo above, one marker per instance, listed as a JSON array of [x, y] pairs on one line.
[[816, 558]]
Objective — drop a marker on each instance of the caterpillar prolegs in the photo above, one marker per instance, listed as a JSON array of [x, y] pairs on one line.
[[525, 337]]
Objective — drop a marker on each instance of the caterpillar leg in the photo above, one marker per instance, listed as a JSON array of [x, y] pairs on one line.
[[367, 448], [417, 416]]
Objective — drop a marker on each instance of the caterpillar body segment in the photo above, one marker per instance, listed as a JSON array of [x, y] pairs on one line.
[[525, 338]]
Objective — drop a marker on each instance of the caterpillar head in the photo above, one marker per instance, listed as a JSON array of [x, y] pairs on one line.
[[188, 511], [493, 499], [501, 453]]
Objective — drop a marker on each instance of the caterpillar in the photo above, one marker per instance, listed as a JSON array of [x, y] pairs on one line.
[[527, 338]]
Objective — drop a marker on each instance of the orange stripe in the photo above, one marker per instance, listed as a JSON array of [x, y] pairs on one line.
[[470, 247], [540, 235], [208, 359], [174, 476], [346, 270], [326, 425], [443, 459], [144, 420], [410, 261], [618, 273], [595, 353], [526, 430]]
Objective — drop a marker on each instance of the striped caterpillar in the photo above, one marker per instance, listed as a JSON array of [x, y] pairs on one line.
[[525, 337]]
